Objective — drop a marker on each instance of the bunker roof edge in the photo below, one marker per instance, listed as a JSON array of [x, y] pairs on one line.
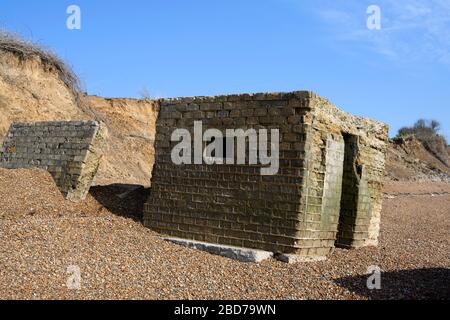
[[263, 96]]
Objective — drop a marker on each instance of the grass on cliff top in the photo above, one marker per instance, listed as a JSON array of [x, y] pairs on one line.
[[27, 49]]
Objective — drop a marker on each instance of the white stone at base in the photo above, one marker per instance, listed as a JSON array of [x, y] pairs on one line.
[[236, 253]]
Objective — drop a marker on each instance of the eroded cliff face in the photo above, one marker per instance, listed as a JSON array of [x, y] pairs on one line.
[[409, 160], [31, 91], [129, 154], [34, 91]]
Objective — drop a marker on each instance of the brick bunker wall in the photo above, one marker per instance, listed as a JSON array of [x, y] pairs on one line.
[[70, 151], [232, 204], [345, 175]]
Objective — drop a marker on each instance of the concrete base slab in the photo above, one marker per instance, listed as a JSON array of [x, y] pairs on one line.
[[292, 258], [236, 253]]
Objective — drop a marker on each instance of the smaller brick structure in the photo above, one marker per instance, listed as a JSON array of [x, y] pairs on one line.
[[70, 151]]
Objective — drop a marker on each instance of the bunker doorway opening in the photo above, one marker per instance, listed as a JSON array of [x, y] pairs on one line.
[[351, 178]]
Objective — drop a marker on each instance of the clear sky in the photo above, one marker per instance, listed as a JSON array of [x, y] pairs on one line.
[[205, 47]]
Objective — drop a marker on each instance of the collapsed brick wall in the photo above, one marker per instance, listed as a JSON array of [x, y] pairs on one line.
[[296, 211], [70, 151]]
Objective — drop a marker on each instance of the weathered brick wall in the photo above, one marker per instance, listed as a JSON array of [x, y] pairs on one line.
[[232, 204], [70, 151], [296, 211], [365, 144]]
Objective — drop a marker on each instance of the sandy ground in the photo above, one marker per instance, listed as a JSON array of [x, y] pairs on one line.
[[41, 235]]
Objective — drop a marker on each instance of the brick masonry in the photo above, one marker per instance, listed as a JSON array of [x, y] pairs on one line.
[[70, 151], [326, 193]]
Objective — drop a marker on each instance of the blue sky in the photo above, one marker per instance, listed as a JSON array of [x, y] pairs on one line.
[[206, 47]]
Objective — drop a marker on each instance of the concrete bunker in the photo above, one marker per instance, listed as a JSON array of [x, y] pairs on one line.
[[326, 193], [70, 151]]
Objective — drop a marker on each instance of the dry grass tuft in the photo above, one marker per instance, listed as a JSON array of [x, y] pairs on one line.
[[26, 49]]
